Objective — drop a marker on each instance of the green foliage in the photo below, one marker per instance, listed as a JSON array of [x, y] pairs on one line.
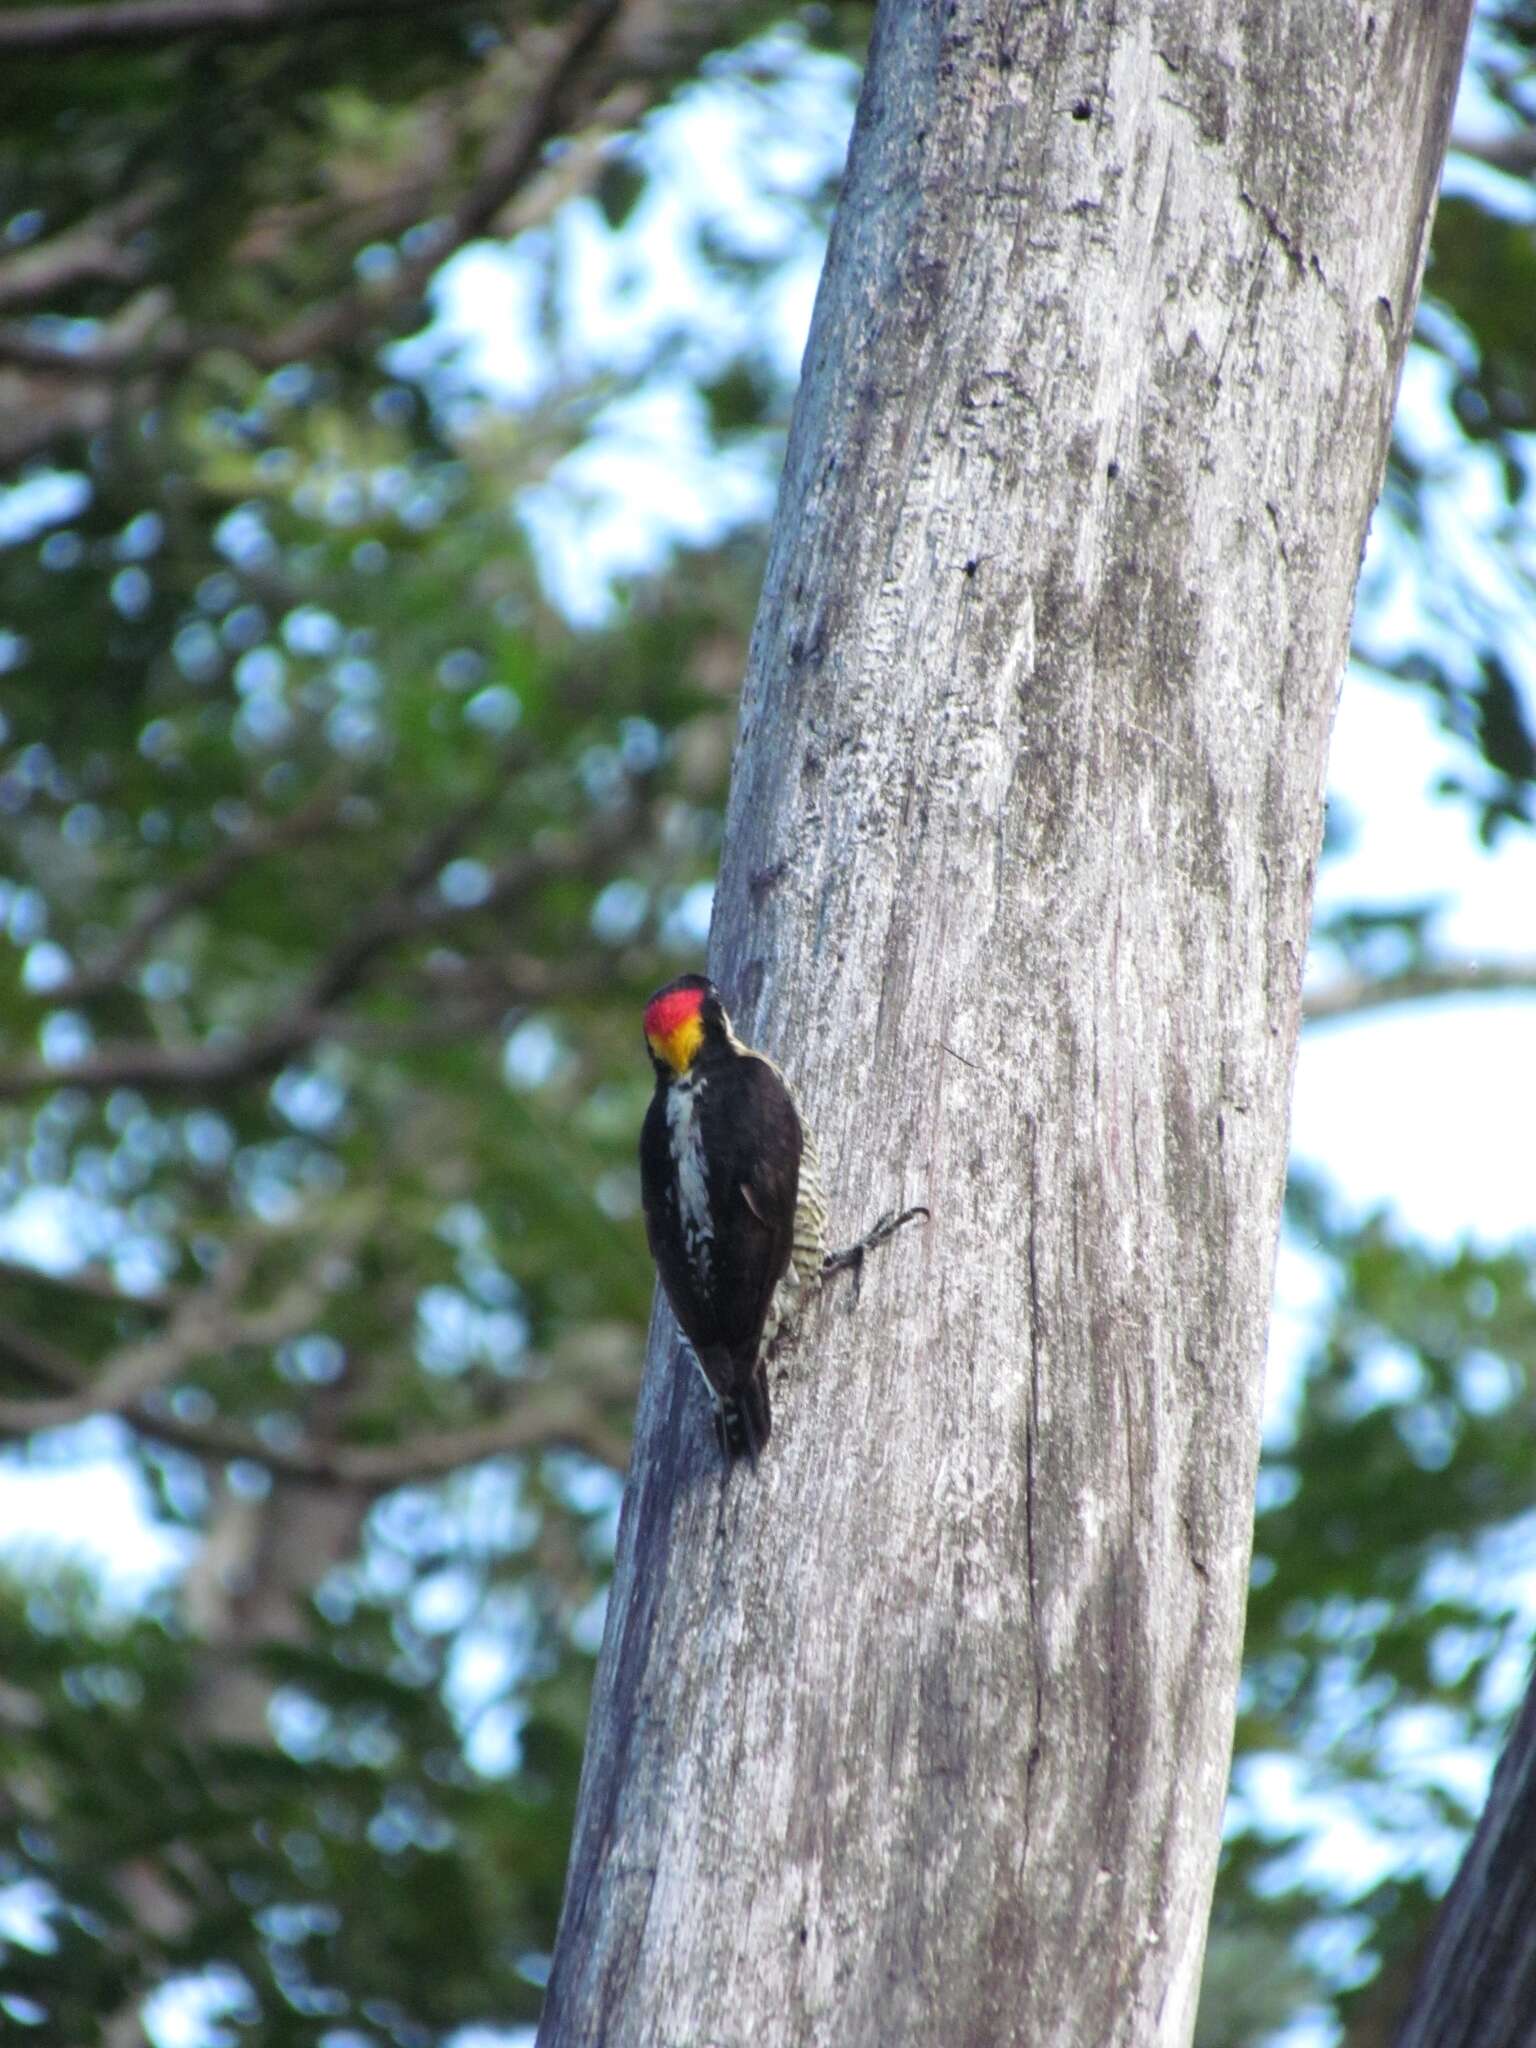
[[1484, 271], [333, 862], [1473, 651], [1388, 1628], [1387, 1640], [423, 1196], [362, 1871], [333, 867]]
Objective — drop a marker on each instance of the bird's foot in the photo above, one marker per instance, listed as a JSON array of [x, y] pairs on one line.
[[853, 1255]]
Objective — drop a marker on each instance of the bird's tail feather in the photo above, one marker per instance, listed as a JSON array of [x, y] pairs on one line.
[[743, 1419]]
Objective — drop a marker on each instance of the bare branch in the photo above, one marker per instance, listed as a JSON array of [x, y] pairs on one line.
[[345, 320], [199, 885], [1353, 995], [201, 1323], [92, 1281], [35, 417], [142, 333], [503, 169], [376, 213], [50, 394], [35, 31], [511, 157], [90, 252], [1514, 152], [384, 214], [113, 349], [180, 1069], [401, 909], [546, 1417], [404, 914]]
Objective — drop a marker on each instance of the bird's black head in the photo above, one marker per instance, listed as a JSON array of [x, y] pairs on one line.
[[680, 1019]]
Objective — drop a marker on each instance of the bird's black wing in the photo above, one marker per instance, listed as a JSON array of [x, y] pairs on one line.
[[755, 1206]]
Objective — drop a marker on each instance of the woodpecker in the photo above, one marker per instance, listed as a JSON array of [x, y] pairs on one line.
[[734, 1210]]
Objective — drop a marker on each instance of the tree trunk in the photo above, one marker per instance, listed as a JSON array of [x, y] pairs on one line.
[[920, 1734], [1476, 1986]]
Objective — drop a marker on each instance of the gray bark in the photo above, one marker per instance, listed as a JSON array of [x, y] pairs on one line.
[[920, 1734], [1476, 1985]]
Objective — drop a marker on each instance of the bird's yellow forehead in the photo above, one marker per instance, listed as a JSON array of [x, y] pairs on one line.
[[674, 1026], [678, 1043]]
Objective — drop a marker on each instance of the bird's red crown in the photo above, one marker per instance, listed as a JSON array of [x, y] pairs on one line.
[[675, 1006], [674, 1025]]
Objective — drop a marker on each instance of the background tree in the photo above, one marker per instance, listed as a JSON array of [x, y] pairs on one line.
[[335, 867], [1477, 1981], [273, 621], [1388, 1637]]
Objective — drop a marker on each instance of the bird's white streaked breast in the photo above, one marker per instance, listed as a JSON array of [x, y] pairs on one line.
[[692, 1181]]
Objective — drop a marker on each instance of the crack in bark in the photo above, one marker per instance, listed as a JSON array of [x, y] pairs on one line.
[[1031, 1430], [1274, 519], [1201, 1568], [1287, 241]]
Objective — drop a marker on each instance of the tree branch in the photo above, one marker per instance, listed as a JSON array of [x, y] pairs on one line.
[[54, 395], [551, 1417], [402, 915], [506, 163], [1354, 995], [340, 322], [94, 1282], [36, 419], [203, 1321], [554, 1418], [36, 31], [199, 885], [90, 252], [117, 346], [1514, 152]]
